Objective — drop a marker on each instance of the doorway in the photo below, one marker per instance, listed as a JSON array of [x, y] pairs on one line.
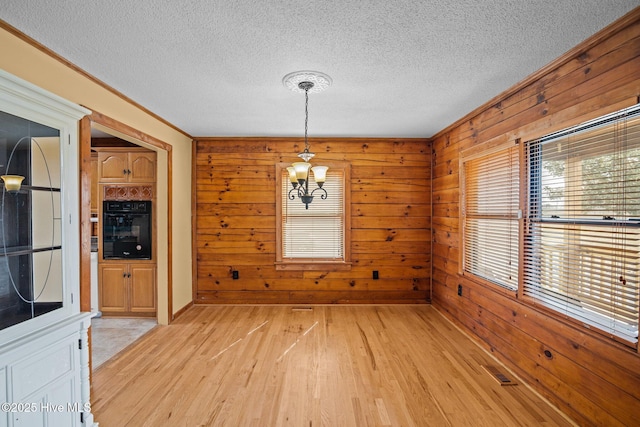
[[123, 262], [96, 127]]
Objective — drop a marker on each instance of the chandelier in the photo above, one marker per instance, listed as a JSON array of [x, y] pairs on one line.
[[299, 175]]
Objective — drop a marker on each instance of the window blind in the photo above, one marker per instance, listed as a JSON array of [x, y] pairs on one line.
[[490, 217], [582, 233], [317, 232]]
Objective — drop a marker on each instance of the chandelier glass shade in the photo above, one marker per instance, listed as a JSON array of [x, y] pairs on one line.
[[12, 183], [300, 172]]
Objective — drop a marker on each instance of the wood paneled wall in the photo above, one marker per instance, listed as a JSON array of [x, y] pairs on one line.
[[591, 378], [235, 224]]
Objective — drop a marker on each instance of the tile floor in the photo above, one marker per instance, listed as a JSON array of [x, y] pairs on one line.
[[109, 336]]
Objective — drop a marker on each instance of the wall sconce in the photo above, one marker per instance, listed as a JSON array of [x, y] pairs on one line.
[[12, 183]]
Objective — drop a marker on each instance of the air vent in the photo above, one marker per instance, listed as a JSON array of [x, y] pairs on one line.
[[499, 375]]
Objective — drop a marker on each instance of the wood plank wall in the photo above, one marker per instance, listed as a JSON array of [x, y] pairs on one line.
[[235, 225], [591, 378]]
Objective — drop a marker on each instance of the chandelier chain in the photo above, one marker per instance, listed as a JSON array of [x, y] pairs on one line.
[[306, 118]]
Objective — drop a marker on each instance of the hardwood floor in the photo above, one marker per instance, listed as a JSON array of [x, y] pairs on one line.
[[326, 365]]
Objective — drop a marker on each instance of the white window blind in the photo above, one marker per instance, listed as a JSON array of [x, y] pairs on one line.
[[582, 234], [317, 232], [490, 217]]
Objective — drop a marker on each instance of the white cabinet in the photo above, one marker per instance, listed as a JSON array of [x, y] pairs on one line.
[[47, 377], [44, 355]]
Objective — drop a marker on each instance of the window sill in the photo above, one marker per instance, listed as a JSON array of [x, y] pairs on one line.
[[509, 292], [312, 265]]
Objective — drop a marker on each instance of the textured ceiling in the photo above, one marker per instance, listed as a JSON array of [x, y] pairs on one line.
[[404, 68]]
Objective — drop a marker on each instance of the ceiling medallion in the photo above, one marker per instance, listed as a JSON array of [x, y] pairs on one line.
[[320, 81]]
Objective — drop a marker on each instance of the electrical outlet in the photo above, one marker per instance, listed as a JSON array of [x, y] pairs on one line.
[[459, 290], [235, 274], [376, 276]]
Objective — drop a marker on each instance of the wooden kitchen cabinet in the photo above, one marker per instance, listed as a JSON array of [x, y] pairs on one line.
[[127, 288], [127, 166]]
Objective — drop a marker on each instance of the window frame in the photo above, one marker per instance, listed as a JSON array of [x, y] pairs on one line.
[[473, 154], [577, 312], [586, 324], [315, 264]]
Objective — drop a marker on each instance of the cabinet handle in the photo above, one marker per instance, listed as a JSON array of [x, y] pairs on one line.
[[124, 171], [129, 275], [124, 274], [128, 171]]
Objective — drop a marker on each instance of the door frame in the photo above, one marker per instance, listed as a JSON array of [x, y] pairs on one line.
[[140, 138]]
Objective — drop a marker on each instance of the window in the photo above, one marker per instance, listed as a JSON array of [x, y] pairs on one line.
[[582, 231], [316, 238], [490, 206]]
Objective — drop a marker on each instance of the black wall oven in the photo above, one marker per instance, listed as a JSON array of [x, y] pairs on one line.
[[126, 230]]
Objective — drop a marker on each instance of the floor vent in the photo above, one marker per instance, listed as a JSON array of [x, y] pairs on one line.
[[499, 376]]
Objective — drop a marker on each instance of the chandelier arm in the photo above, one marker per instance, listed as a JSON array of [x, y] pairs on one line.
[[292, 196], [322, 196], [301, 192]]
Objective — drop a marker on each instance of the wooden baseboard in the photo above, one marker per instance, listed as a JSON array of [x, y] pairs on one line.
[[312, 297], [181, 311]]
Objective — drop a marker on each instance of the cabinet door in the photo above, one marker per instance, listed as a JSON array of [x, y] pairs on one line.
[[47, 377], [143, 288], [112, 167], [142, 167], [112, 287], [51, 406]]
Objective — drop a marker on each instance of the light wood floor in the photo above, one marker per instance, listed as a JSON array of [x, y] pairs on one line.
[[329, 366]]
